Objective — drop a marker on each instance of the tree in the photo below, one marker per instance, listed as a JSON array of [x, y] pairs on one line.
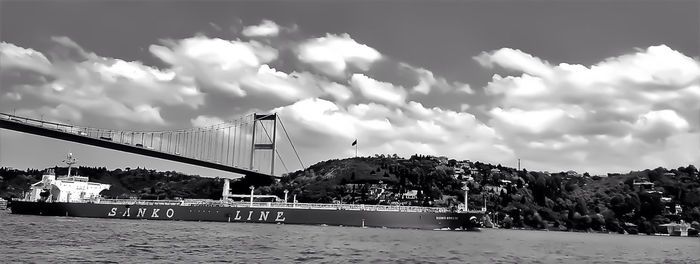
[[539, 190], [452, 162], [690, 170], [650, 205]]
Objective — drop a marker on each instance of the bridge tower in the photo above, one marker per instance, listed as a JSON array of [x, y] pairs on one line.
[[267, 143]]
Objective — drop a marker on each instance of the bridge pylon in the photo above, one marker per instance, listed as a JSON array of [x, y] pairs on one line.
[[267, 143]]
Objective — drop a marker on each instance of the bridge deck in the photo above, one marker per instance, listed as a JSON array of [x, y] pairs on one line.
[[24, 125]]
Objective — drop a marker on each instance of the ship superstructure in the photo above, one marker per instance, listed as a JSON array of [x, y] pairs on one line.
[[67, 188]]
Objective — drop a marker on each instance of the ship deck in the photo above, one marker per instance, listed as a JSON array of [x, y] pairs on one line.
[[314, 206]]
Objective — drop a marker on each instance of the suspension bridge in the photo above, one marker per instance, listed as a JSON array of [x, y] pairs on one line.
[[247, 145]]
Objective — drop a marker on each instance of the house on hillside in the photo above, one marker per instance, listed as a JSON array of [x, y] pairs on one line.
[[464, 163], [473, 171], [458, 172], [377, 189], [354, 187], [495, 189], [643, 185], [410, 195], [573, 173]]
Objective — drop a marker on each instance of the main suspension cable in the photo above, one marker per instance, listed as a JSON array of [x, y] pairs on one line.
[[290, 142], [276, 151]]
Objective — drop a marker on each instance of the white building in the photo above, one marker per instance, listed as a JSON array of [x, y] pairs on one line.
[[410, 195]]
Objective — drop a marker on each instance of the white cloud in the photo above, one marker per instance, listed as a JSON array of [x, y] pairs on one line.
[[102, 86], [132, 70], [333, 54], [405, 130], [324, 117], [215, 63], [228, 55], [533, 121], [12, 56], [338, 91], [206, 121], [237, 68], [147, 114], [514, 59], [465, 88], [13, 96], [658, 65], [595, 115], [418, 81], [60, 114], [266, 28], [291, 87], [426, 80], [378, 91], [520, 87], [659, 125]]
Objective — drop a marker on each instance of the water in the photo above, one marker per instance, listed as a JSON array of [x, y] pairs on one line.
[[40, 239]]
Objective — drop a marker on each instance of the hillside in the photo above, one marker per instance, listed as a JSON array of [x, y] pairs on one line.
[[635, 201]]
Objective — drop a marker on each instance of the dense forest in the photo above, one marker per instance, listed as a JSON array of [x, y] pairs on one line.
[[514, 198]]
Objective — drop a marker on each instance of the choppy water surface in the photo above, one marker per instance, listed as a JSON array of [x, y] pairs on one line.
[[70, 240]]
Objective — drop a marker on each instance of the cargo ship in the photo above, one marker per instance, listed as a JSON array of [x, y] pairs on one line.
[[75, 196]]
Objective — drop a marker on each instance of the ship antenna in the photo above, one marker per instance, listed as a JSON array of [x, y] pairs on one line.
[[70, 161]]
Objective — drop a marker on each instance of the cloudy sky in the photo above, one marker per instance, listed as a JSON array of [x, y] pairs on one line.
[[593, 86]]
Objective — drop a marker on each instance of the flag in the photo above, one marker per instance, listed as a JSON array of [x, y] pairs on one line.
[[354, 142]]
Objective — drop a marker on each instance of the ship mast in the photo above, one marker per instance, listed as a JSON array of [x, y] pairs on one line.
[[70, 161]]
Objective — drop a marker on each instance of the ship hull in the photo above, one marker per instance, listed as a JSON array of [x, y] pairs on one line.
[[287, 215]]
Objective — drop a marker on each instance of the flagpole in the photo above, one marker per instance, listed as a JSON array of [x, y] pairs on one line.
[[354, 143]]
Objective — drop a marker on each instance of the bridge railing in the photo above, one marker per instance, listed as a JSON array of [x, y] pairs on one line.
[[82, 131], [88, 132], [166, 141]]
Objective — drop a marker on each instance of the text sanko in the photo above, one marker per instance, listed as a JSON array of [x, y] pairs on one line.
[[143, 212]]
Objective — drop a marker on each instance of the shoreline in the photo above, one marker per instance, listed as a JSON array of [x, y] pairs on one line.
[[586, 232]]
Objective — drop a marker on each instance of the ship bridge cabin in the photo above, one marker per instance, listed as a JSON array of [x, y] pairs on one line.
[[65, 189]]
